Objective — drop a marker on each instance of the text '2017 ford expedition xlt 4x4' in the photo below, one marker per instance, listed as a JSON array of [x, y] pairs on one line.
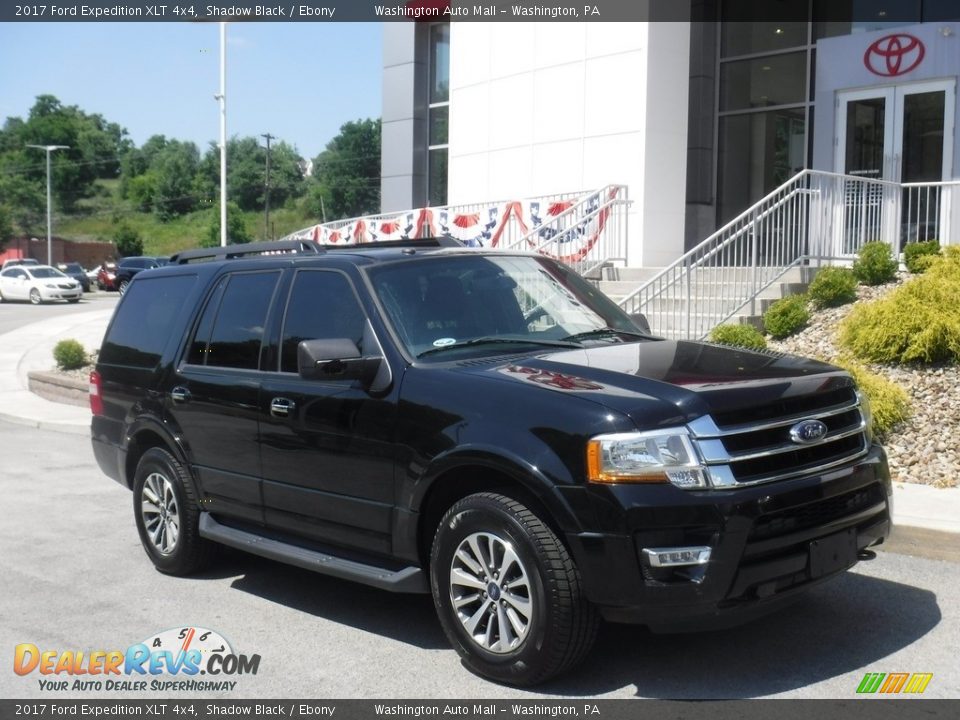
[[485, 426]]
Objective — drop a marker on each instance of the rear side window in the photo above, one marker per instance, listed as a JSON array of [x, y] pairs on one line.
[[145, 320], [236, 330]]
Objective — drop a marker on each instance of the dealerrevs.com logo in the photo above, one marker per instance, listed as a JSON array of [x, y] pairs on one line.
[[189, 659]]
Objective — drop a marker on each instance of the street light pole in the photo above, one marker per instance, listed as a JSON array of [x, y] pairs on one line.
[[222, 97], [266, 189], [49, 149]]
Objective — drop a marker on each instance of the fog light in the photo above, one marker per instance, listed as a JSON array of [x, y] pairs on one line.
[[677, 556]]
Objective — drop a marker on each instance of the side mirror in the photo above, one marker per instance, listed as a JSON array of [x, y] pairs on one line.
[[640, 320], [335, 359]]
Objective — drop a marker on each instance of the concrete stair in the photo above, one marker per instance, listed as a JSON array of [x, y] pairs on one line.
[[710, 287]]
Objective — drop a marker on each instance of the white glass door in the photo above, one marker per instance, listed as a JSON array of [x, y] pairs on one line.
[[898, 134]]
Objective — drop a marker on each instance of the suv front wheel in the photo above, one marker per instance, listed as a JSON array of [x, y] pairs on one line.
[[167, 515], [508, 593]]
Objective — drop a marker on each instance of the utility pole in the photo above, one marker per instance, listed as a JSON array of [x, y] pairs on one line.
[[266, 190], [49, 149]]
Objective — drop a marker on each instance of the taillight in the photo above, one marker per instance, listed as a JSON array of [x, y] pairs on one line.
[[96, 393]]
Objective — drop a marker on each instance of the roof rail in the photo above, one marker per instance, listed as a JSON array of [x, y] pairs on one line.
[[411, 243], [232, 252]]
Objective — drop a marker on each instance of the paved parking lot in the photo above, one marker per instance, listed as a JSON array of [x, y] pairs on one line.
[[75, 578]]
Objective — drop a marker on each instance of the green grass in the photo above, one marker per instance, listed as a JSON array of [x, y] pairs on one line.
[[97, 218]]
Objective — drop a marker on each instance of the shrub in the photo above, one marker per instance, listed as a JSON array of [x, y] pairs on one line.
[[128, 241], [69, 355], [833, 286], [874, 264], [917, 256], [745, 336], [786, 316], [917, 322], [889, 402]]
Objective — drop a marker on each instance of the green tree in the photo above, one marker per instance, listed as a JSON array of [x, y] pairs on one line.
[[94, 150], [347, 173], [174, 168], [237, 232], [128, 241], [246, 173]]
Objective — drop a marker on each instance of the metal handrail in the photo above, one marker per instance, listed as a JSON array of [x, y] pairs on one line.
[[814, 217], [609, 244]]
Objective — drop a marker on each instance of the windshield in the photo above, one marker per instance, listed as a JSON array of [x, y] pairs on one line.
[[483, 303], [45, 272]]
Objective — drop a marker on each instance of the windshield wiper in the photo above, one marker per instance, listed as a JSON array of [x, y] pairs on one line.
[[566, 343], [601, 332]]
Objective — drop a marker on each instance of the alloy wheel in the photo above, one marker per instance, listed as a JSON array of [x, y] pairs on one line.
[[490, 592], [161, 515]]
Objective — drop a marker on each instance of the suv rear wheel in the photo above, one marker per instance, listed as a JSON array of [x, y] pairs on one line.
[[167, 515], [508, 593]]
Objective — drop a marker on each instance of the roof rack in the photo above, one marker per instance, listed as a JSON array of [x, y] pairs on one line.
[[232, 252], [411, 243]]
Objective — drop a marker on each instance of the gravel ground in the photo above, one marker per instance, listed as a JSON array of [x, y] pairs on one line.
[[922, 449]]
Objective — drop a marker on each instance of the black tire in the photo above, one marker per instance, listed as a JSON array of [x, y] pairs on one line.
[[122, 287], [187, 552], [73, 300], [562, 624], [35, 297]]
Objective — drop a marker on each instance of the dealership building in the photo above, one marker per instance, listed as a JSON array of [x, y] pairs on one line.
[[697, 119]]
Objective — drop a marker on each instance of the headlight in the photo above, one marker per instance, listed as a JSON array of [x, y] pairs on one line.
[[867, 412], [659, 456]]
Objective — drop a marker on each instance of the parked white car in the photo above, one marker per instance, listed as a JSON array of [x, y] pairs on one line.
[[38, 283]]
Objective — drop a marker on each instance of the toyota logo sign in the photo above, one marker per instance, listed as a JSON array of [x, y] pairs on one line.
[[894, 55]]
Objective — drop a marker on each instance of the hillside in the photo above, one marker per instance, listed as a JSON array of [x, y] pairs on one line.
[[98, 218]]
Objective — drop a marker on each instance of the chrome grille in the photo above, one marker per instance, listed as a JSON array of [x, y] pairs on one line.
[[739, 454]]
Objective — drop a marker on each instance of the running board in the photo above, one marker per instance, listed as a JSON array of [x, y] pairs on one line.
[[406, 580]]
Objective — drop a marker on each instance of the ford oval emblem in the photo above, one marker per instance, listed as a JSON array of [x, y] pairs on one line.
[[808, 431]]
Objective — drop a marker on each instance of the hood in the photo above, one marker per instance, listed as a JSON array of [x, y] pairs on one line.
[[695, 378]]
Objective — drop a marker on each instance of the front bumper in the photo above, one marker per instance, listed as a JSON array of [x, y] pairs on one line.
[[769, 544], [60, 293]]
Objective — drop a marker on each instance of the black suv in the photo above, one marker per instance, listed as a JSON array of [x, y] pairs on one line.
[[485, 426], [129, 267]]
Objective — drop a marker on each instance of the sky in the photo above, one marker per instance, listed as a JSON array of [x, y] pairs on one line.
[[297, 81]]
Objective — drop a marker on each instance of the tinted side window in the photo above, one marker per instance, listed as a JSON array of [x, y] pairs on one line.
[[238, 329], [201, 338], [144, 321], [322, 305]]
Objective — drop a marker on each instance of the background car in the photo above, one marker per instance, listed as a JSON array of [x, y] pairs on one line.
[[106, 276], [130, 266], [19, 261], [76, 271], [38, 283]]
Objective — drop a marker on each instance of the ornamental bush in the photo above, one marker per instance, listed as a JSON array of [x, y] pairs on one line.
[[889, 402], [745, 336], [875, 264], [917, 322], [832, 287], [69, 355], [786, 316], [917, 256]]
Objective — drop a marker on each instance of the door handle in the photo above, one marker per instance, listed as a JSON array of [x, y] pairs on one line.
[[180, 395], [281, 407]]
